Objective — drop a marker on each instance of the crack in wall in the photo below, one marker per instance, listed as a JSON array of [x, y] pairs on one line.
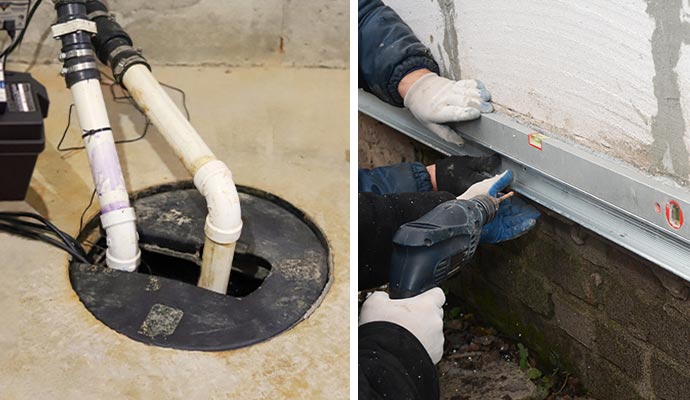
[[450, 39], [669, 153]]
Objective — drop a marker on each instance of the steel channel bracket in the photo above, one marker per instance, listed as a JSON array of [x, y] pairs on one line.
[[608, 197]]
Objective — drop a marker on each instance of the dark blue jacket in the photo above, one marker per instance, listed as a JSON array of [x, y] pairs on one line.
[[388, 50], [392, 362], [397, 178]]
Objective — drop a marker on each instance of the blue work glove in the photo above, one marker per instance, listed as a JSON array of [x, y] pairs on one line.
[[489, 186], [513, 218]]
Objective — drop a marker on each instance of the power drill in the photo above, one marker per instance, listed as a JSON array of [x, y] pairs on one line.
[[429, 250]]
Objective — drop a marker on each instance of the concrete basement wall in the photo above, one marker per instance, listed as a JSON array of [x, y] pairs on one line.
[[611, 75], [578, 302], [295, 33]]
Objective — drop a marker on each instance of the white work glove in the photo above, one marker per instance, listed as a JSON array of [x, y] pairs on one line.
[[422, 315], [489, 186], [435, 100]]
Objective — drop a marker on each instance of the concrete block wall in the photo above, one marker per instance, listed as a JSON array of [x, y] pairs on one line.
[[293, 33], [613, 75], [577, 301], [618, 322]]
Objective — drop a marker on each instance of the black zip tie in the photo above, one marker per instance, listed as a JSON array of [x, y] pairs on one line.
[[94, 131]]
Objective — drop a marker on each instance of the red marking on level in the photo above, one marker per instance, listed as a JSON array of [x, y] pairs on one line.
[[674, 215], [535, 140]]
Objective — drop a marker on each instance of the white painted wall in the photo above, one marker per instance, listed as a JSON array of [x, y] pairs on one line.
[[579, 69]]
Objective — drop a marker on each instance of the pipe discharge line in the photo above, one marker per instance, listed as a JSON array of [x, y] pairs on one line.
[[212, 177], [74, 30]]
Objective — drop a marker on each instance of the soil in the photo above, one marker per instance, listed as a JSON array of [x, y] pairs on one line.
[[480, 363]]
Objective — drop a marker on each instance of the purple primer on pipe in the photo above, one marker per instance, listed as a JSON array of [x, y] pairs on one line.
[[118, 205], [106, 172]]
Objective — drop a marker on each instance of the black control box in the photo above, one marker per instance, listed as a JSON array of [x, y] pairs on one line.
[[22, 133]]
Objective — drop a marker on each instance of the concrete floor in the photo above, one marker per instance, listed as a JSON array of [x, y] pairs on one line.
[[281, 130]]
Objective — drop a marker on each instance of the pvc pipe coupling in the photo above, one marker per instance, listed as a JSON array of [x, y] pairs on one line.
[[224, 220], [120, 224]]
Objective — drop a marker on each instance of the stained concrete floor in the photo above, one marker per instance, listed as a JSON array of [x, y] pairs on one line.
[[281, 130]]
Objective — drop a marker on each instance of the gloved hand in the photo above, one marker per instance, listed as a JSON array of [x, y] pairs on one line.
[[513, 218], [422, 315], [489, 186], [435, 100], [456, 174]]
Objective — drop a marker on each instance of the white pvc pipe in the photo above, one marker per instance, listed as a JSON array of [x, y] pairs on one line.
[[164, 114], [212, 177], [117, 216], [216, 279]]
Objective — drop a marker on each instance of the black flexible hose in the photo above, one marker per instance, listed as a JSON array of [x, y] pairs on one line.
[[113, 45]]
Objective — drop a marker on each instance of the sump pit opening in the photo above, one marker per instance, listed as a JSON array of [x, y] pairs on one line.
[[248, 271], [282, 270]]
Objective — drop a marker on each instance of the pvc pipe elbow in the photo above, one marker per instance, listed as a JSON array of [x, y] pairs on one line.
[[123, 241], [224, 220]]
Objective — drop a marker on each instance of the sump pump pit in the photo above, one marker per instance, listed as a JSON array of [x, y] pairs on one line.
[[281, 272]]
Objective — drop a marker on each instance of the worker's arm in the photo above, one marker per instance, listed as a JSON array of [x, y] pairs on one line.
[[452, 174], [393, 364], [396, 178], [388, 51], [380, 216], [379, 219], [399, 69], [399, 343]]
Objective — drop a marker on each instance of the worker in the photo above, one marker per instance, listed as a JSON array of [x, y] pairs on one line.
[[396, 67], [400, 341], [394, 195]]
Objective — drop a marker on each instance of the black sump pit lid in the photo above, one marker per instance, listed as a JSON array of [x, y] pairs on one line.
[[169, 313]]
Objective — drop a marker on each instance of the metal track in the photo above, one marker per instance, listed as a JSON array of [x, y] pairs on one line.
[[614, 200]]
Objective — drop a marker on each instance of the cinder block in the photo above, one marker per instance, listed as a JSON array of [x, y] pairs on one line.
[[506, 312], [670, 333], [552, 258], [519, 283], [614, 344], [676, 286], [576, 320], [604, 380], [632, 296], [601, 378], [668, 381]]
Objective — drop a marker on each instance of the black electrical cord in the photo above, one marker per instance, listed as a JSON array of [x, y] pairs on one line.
[[81, 218], [69, 122], [131, 101], [16, 223], [5, 53], [9, 228], [47, 226], [184, 98], [11, 34]]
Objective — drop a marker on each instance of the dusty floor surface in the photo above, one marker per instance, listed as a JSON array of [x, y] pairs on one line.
[[278, 129]]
